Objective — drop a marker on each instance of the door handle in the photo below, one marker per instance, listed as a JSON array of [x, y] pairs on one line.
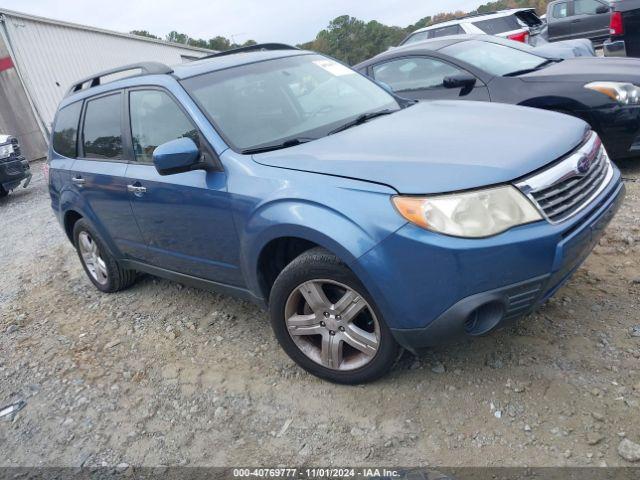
[[79, 181], [137, 189]]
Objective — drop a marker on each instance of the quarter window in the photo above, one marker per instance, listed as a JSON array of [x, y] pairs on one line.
[[409, 74], [65, 133], [561, 10], [102, 132], [156, 119]]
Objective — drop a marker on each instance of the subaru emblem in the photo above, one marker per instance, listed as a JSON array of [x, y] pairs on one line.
[[584, 164]]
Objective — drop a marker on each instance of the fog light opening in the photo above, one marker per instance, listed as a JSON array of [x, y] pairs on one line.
[[484, 318]]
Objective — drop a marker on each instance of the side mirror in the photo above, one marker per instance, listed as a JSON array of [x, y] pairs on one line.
[[602, 9], [176, 156], [464, 81]]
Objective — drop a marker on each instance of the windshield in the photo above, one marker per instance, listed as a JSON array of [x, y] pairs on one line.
[[494, 58], [303, 97]]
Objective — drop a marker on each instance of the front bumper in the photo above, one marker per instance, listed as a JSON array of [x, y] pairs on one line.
[[13, 171], [618, 127], [432, 289]]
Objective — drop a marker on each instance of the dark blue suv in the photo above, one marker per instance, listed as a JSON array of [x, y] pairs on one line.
[[363, 221]]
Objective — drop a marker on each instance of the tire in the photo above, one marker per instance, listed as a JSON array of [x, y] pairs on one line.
[[99, 264], [347, 342], [3, 192]]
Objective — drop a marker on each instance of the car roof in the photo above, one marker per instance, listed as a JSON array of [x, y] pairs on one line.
[[214, 63], [472, 18], [435, 44]]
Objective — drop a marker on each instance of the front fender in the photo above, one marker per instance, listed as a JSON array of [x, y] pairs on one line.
[[306, 220]]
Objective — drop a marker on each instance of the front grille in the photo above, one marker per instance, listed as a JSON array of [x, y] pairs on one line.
[[522, 299], [14, 168], [568, 186]]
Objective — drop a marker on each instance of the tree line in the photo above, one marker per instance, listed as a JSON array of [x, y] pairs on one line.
[[352, 40]]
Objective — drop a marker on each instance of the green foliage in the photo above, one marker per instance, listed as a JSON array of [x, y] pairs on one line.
[[352, 40], [143, 33]]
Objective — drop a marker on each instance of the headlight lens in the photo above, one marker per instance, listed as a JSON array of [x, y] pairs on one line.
[[623, 93], [6, 150], [474, 214]]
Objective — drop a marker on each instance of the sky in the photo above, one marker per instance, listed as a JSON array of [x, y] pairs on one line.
[[287, 21]]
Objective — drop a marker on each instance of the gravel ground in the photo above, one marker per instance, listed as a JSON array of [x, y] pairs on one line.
[[168, 375]]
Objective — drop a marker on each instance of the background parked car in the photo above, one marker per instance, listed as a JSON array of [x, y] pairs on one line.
[[521, 25], [624, 29], [518, 24], [14, 168], [604, 92], [571, 19]]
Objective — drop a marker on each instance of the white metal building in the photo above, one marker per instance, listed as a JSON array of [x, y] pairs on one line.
[[41, 57]]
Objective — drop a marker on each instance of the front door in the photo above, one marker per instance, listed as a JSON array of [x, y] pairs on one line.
[[421, 78], [592, 19], [98, 174], [185, 218]]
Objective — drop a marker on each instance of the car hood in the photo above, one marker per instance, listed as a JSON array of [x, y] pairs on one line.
[[439, 146], [586, 69]]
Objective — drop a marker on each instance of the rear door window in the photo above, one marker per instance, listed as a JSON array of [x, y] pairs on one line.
[[495, 26], [65, 132], [102, 131], [418, 37], [560, 10], [156, 119], [446, 31], [586, 7], [415, 73]]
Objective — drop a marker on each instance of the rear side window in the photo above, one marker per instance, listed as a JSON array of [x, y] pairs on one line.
[[65, 132], [560, 10], [156, 119], [102, 132], [416, 73], [494, 26], [418, 37], [586, 7], [446, 31]]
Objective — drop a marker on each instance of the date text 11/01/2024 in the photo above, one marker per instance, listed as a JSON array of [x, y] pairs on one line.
[[315, 472]]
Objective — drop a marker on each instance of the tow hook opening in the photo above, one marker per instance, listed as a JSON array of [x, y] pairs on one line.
[[484, 318]]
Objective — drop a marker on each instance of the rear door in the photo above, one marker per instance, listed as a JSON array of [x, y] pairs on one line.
[[591, 19], [98, 174], [559, 21], [422, 77], [185, 218]]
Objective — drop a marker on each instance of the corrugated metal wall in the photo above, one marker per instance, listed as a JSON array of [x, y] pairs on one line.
[[50, 55], [13, 98]]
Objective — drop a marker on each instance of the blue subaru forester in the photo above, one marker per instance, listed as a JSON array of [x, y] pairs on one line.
[[365, 223]]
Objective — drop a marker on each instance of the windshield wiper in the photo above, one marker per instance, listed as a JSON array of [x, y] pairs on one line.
[[546, 63], [292, 142], [360, 119]]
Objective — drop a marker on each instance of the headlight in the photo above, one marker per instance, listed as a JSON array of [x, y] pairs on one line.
[[6, 150], [474, 214], [623, 93]]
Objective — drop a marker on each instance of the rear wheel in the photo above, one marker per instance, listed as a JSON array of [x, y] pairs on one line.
[[326, 321], [100, 266]]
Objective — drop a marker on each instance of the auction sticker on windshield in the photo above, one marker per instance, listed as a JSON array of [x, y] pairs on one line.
[[334, 68]]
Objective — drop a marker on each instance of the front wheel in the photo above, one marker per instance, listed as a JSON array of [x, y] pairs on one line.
[[325, 320]]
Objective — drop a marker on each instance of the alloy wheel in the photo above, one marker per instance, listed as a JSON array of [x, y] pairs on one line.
[[332, 324], [92, 259]]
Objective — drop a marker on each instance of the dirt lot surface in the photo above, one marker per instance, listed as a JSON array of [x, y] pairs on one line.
[[165, 374]]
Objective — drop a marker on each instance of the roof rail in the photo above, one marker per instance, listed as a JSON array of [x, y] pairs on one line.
[[259, 47], [145, 68]]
